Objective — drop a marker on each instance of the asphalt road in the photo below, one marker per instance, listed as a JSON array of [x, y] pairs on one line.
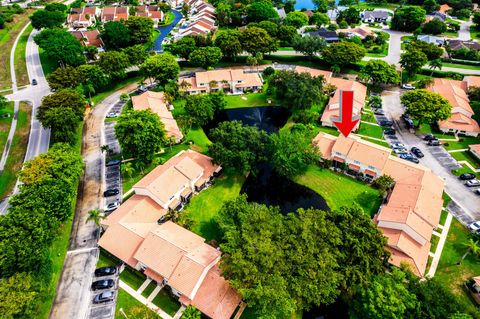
[[434, 158]]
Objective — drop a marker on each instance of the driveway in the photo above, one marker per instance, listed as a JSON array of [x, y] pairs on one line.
[[435, 159]]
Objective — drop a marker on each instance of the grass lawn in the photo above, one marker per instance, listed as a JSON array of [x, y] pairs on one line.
[[368, 117], [461, 66], [129, 181], [474, 32], [382, 54], [17, 151], [132, 277], [5, 123], [112, 88], [20, 58], [462, 143], [462, 170], [340, 190], [106, 259], [286, 49], [452, 274], [7, 37], [376, 142], [371, 130], [166, 301], [169, 17], [443, 217], [48, 64], [199, 139], [449, 34], [434, 242], [204, 207], [148, 290], [364, 6], [248, 100], [466, 156], [127, 303]]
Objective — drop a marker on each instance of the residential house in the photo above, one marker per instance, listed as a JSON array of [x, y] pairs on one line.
[[152, 12], [461, 121], [169, 255], [413, 207], [431, 39], [172, 184], [333, 13], [155, 101], [475, 150], [379, 16], [201, 19], [89, 38], [435, 15], [82, 18], [281, 13], [444, 8], [114, 14], [235, 81], [327, 75], [328, 36], [309, 13], [472, 81], [361, 32], [459, 44]]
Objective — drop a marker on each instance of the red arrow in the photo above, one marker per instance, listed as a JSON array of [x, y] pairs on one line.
[[345, 122]]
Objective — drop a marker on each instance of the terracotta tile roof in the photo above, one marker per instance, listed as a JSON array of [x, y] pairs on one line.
[[475, 148], [91, 37], [472, 80], [155, 101], [444, 8], [325, 143], [121, 16], [327, 75], [460, 122], [362, 32]]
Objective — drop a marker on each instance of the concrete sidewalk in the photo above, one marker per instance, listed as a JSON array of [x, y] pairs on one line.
[[438, 252]]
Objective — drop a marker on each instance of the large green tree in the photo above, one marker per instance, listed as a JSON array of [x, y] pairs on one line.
[[350, 15], [343, 53], [380, 72], [163, 68], [412, 61], [291, 152], [434, 26], [140, 29], [256, 40], [319, 19], [426, 107], [61, 78], [18, 295], [183, 47], [205, 56], [141, 134], [298, 90], [238, 146], [199, 109], [60, 46], [431, 50], [115, 35], [93, 75], [296, 19], [47, 19], [261, 10], [408, 18], [136, 54], [114, 63], [309, 45], [229, 42]]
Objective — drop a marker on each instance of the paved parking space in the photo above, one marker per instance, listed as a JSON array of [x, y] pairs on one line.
[[104, 310], [445, 159]]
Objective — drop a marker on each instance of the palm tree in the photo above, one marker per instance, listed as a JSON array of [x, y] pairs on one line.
[[105, 148], [435, 64], [213, 84], [128, 169], [335, 69], [472, 247], [95, 215]]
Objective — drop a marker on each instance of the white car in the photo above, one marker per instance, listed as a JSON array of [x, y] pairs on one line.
[[398, 145], [474, 226], [408, 87], [111, 115], [399, 151], [472, 183], [112, 206]]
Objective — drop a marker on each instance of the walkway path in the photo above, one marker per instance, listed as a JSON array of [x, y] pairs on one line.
[[441, 243]]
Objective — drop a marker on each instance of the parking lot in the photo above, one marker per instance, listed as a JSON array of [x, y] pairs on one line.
[[103, 310]]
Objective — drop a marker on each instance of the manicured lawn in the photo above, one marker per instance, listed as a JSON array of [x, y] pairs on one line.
[[106, 259], [443, 217], [169, 17], [382, 54], [126, 303], [462, 170], [462, 143], [462, 66], [148, 290], [368, 117], [453, 274], [204, 207], [48, 64], [374, 131], [166, 301], [20, 58], [434, 242], [199, 139], [112, 88], [132, 277], [7, 37], [376, 141], [129, 181], [5, 123], [466, 156], [446, 199], [14, 163], [286, 49], [340, 190], [248, 100]]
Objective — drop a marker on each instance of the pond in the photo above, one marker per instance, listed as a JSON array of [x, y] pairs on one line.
[[267, 118], [164, 31], [269, 188], [308, 4]]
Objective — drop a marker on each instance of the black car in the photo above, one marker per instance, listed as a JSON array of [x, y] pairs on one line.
[[104, 297], [408, 120], [409, 157], [389, 131], [429, 137], [378, 112], [113, 163], [34, 82], [433, 143], [418, 153], [386, 123], [466, 176], [105, 271], [111, 192], [103, 284]]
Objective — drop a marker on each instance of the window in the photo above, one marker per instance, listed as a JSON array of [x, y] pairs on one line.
[[357, 162], [338, 153], [371, 167]]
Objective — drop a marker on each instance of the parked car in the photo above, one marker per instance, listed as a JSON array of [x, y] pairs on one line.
[[389, 131], [408, 87], [105, 296], [386, 123], [112, 114], [409, 157], [399, 151], [408, 120], [113, 163], [112, 206], [418, 153], [103, 284], [477, 191], [429, 137], [105, 271], [475, 226], [34, 82], [379, 112], [111, 192], [398, 145], [472, 183], [433, 143], [466, 176]]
